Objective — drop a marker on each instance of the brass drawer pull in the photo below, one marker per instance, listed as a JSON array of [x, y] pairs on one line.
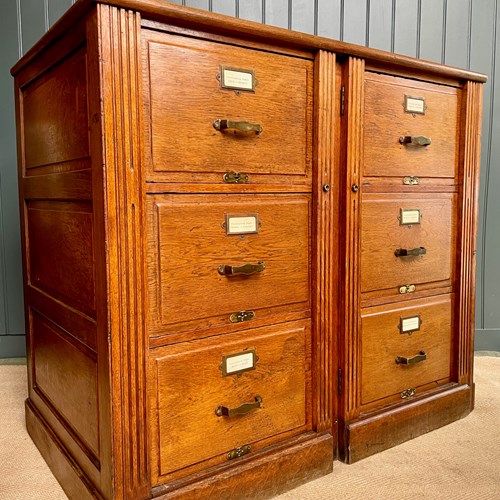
[[240, 126], [246, 269], [403, 252], [224, 411], [415, 140], [401, 360]]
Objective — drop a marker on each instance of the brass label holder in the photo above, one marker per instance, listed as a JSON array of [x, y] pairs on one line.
[[410, 324], [414, 105], [409, 216], [240, 224], [237, 79], [239, 362]]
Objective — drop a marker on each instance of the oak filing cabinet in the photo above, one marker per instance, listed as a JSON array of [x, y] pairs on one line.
[[246, 250]]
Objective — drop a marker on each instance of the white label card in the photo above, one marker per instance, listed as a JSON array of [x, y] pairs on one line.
[[236, 79], [410, 216], [415, 105], [242, 224], [410, 324], [239, 362]]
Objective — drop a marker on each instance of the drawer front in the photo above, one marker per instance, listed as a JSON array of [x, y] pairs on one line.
[[408, 224], [185, 93], [196, 258], [386, 121], [194, 400], [404, 332]]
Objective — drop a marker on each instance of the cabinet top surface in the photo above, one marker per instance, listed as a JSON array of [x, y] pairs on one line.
[[190, 18]]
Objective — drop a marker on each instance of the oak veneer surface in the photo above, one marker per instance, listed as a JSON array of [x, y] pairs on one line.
[[123, 205]]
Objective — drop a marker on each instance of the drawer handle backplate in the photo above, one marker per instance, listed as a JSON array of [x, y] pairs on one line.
[[414, 252], [402, 360], [243, 409], [415, 140], [245, 269], [240, 126]]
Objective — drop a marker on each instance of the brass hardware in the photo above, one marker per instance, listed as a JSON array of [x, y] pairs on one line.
[[409, 216], [411, 181], [243, 409], [240, 126], [407, 289], [326, 188], [239, 452], [414, 252], [408, 393], [245, 269], [241, 224], [237, 79], [238, 363], [415, 140], [235, 178], [402, 360], [355, 188], [414, 105], [410, 324], [241, 316]]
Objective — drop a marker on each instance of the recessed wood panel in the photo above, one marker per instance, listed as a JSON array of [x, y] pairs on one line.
[[382, 342], [60, 251], [188, 243], [385, 121], [66, 375], [54, 112], [190, 385], [184, 95], [383, 233]]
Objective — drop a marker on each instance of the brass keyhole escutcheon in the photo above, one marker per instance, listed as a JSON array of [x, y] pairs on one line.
[[355, 188]]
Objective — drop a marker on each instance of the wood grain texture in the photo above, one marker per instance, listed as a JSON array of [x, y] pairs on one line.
[[187, 243], [350, 308], [469, 214], [386, 121], [54, 111], [325, 274], [181, 141], [382, 341], [379, 432], [280, 378], [270, 473], [382, 234], [119, 51]]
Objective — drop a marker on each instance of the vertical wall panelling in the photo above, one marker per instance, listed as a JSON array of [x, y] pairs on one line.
[[406, 26], [251, 10], [303, 16], [33, 22], [431, 30], [355, 21], [380, 24], [491, 233], [198, 4], [11, 295], [276, 13], [328, 22], [56, 8], [482, 57], [227, 7], [457, 33]]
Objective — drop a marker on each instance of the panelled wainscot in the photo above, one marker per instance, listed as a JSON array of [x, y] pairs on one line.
[[246, 250]]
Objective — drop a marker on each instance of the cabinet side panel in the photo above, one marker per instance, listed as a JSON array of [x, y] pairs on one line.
[[59, 247]]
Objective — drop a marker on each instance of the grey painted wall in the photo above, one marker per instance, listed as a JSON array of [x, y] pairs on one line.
[[455, 32]]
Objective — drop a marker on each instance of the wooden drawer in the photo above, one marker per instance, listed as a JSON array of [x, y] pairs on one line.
[[189, 242], [387, 228], [184, 95], [189, 387], [387, 332], [385, 121]]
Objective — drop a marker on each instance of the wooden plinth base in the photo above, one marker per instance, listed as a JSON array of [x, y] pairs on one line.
[[370, 435]]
